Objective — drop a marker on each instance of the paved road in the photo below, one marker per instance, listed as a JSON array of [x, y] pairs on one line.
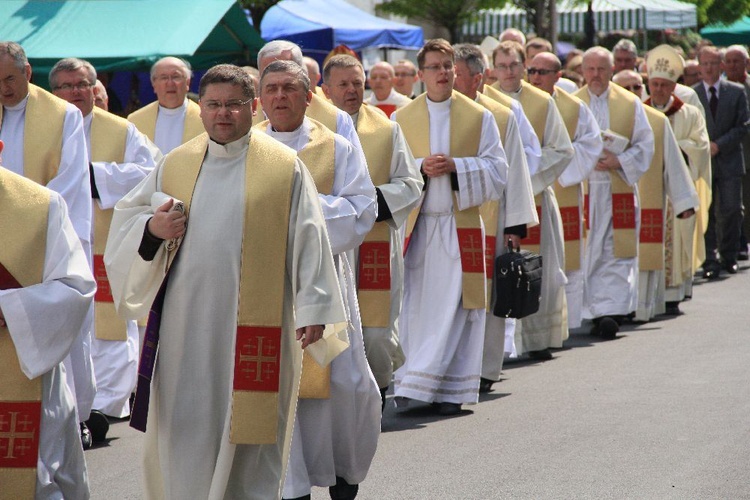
[[661, 412]]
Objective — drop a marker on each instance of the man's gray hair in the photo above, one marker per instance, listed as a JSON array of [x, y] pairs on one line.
[[290, 67], [627, 45], [600, 51], [342, 61], [187, 70], [71, 64], [276, 47], [738, 48], [472, 55], [16, 52], [227, 73]]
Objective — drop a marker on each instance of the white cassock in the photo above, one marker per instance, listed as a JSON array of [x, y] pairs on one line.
[[611, 283], [587, 144], [680, 190], [44, 321], [516, 208], [115, 362], [338, 436], [443, 341], [170, 126], [548, 327], [382, 345], [72, 182], [187, 448]]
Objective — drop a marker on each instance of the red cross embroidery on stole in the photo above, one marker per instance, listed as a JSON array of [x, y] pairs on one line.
[[256, 359], [19, 434], [571, 223], [652, 225], [472, 253], [103, 290], [623, 211], [489, 256], [374, 265]]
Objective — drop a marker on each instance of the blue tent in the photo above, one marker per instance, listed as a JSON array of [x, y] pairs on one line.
[[320, 25]]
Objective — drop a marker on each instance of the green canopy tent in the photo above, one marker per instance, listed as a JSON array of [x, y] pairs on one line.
[[119, 35], [725, 35]]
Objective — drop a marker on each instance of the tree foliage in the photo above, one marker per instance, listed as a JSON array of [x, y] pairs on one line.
[[448, 14], [257, 9], [721, 11]]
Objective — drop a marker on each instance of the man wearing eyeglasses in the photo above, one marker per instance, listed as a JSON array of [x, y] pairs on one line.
[[404, 78], [457, 145], [611, 266], [254, 267], [727, 119], [120, 157], [544, 72], [546, 328], [45, 142], [172, 119]]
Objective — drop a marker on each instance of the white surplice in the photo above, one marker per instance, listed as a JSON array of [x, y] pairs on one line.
[[187, 448], [338, 436], [170, 127], [44, 321], [382, 346], [548, 327], [516, 207], [611, 283], [443, 341], [680, 193], [116, 362], [72, 182], [587, 144]]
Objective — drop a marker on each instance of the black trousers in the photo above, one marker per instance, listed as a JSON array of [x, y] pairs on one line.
[[724, 219]]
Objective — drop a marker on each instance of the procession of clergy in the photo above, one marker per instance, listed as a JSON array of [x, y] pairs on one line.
[[278, 264]]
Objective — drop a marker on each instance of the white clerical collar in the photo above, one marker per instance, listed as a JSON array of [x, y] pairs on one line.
[[231, 149], [446, 103], [174, 111], [18, 107], [87, 119]]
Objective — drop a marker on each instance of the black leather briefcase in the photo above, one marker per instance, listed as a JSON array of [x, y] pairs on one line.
[[518, 283]]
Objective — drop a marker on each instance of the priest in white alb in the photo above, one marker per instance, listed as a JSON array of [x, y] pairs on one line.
[[120, 157], [379, 262], [253, 266], [457, 145], [45, 142], [337, 428], [46, 290], [611, 264]]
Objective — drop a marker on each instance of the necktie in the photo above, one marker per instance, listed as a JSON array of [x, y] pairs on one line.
[[713, 103]]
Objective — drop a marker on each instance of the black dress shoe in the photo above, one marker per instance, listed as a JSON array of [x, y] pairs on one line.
[[673, 309], [541, 355], [449, 409], [608, 327], [98, 425], [485, 385], [343, 490], [743, 255], [731, 267], [711, 270], [86, 440]]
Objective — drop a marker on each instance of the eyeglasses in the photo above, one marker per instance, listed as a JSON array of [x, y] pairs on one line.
[[233, 106], [437, 67], [539, 71], [633, 87], [84, 85], [166, 78], [508, 67]]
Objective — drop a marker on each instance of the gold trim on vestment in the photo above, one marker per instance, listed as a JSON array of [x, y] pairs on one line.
[[652, 199], [144, 120]]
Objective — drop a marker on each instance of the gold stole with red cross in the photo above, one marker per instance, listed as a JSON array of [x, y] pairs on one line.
[[269, 175], [651, 191], [466, 130], [489, 209], [24, 212], [109, 135], [42, 135], [375, 132], [144, 120], [319, 156], [621, 105]]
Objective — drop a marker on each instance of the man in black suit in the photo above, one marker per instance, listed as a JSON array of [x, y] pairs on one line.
[[727, 119]]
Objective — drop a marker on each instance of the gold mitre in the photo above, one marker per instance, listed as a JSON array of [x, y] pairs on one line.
[[664, 62]]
